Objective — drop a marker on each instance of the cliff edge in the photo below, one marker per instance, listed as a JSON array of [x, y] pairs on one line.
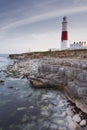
[[65, 73]]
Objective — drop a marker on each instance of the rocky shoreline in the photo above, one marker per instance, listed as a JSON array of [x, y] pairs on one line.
[[68, 75]]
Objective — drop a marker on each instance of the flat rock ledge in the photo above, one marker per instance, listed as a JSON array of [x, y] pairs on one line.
[[67, 75]]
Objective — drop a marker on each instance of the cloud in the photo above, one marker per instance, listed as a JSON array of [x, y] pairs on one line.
[[43, 16], [79, 2], [46, 3]]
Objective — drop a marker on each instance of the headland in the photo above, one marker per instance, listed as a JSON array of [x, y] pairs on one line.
[[63, 70]]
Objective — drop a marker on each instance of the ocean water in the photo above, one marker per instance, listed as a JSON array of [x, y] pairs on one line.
[[23, 107], [4, 61]]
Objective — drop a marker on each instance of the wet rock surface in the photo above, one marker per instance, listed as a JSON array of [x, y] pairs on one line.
[[68, 75], [24, 108], [45, 109]]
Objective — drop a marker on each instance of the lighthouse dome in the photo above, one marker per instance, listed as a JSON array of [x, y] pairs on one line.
[[65, 19]]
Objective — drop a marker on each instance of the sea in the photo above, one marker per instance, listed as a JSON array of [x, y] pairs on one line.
[[4, 61], [23, 107]]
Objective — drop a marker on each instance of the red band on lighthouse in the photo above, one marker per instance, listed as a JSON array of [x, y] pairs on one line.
[[64, 35]]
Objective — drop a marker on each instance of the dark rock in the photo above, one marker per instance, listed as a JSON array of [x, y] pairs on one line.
[[1, 81], [10, 87]]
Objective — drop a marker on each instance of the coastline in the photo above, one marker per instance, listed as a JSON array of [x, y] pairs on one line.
[[65, 74], [23, 107]]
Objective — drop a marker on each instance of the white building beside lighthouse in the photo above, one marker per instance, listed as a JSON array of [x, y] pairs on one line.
[[78, 45], [64, 35]]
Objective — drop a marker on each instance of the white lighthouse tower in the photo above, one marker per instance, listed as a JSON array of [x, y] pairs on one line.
[[64, 35]]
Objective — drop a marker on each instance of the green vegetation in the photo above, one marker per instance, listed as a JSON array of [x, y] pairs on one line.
[[50, 53]]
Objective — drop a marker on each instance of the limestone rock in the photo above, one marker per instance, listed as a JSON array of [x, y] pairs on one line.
[[21, 108], [83, 122], [65, 74], [76, 118], [74, 126]]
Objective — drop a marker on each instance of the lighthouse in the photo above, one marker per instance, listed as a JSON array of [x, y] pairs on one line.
[[64, 35]]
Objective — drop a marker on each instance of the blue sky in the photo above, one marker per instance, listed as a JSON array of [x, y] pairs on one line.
[[35, 25]]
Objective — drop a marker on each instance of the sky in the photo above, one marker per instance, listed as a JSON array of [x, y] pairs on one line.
[[35, 25]]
